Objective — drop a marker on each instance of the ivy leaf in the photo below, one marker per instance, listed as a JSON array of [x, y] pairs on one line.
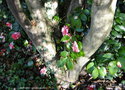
[[69, 64], [64, 53], [65, 38], [95, 73]]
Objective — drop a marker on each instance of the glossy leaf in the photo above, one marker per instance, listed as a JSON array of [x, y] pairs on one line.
[[95, 73], [102, 72], [64, 53], [65, 38], [113, 70], [83, 17], [108, 55], [80, 45], [121, 51], [61, 62], [76, 23], [90, 67], [86, 11], [69, 64], [112, 64]]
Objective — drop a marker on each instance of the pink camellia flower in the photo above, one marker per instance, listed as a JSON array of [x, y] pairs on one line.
[[65, 30], [3, 50], [75, 47], [3, 38], [8, 24], [119, 64], [11, 45], [43, 70], [16, 35], [91, 87]]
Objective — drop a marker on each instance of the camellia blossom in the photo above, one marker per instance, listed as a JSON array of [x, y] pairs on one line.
[[11, 45], [16, 35], [91, 87], [65, 30], [3, 50], [8, 24], [75, 47], [43, 70], [3, 38]]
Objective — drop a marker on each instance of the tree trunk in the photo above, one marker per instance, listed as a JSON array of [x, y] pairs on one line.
[[101, 23]]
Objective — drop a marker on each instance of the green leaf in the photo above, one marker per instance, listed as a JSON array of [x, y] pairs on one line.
[[102, 72], [113, 70], [65, 38], [112, 64], [79, 30], [61, 62], [69, 64], [119, 28], [68, 45], [64, 53], [56, 18], [118, 20], [90, 67], [121, 51], [26, 43], [108, 55], [112, 67], [86, 11], [76, 23], [30, 63], [116, 34], [80, 45], [95, 73], [83, 17], [81, 53], [73, 55]]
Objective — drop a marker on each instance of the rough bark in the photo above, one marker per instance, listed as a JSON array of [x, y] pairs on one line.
[[39, 34]]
